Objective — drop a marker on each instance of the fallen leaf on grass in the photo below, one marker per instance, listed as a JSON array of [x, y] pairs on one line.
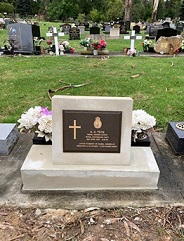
[[135, 76]]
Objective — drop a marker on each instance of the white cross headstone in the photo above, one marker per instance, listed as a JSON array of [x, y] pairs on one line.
[[132, 42], [55, 34]]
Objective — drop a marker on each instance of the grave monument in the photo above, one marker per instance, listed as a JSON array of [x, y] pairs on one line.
[[55, 34], [91, 149], [21, 37], [132, 41]]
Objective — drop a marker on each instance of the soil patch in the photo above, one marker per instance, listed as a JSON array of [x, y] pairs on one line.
[[93, 224]]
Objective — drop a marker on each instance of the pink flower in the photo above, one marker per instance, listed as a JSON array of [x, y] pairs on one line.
[[45, 111], [49, 42]]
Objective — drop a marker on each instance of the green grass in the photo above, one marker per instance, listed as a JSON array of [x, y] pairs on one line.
[[158, 89]]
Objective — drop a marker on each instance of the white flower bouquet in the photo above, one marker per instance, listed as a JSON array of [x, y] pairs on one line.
[[39, 120], [141, 122]]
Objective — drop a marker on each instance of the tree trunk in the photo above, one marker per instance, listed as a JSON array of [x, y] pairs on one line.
[[154, 13], [128, 9]]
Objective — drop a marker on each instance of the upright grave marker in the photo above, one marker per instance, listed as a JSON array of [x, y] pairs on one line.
[[132, 42], [55, 34], [91, 149]]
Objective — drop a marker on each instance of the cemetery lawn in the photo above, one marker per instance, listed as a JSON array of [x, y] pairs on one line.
[[92, 224], [155, 84]]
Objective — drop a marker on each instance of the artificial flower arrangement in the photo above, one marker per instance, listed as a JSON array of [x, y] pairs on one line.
[[147, 44], [141, 122], [38, 120], [99, 44], [67, 47], [49, 42], [86, 42]]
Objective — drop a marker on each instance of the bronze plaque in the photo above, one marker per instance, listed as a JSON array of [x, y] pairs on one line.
[[91, 131]]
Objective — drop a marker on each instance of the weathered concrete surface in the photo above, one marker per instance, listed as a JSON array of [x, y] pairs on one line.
[[171, 183]]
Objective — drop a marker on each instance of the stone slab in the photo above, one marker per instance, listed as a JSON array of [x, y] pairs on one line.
[[38, 172], [91, 103], [8, 137]]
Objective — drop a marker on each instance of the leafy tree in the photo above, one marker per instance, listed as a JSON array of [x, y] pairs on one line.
[[115, 9], [6, 7], [23, 7], [138, 10], [81, 17], [94, 15], [55, 9], [161, 10], [35, 6], [172, 8], [181, 12]]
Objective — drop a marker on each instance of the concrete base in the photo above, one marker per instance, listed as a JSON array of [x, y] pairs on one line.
[[8, 137], [38, 172]]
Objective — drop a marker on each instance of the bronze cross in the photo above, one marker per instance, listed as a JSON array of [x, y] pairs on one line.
[[74, 127]]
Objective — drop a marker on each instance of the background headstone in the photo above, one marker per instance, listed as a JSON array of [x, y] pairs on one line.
[[166, 32], [21, 37], [107, 29], [94, 30], [152, 29], [82, 29], [74, 33], [180, 26], [65, 28], [115, 32], [137, 29]]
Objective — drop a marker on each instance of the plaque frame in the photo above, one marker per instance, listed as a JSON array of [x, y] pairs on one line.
[[91, 103], [98, 131]]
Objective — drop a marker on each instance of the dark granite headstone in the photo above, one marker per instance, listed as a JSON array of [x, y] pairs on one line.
[[94, 30], [175, 137], [74, 33], [154, 28], [166, 24], [86, 24], [137, 29], [127, 25], [91, 131], [21, 37], [166, 32], [180, 26]]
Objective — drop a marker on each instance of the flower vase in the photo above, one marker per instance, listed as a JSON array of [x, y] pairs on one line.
[[141, 140], [85, 48], [95, 51], [40, 141]]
